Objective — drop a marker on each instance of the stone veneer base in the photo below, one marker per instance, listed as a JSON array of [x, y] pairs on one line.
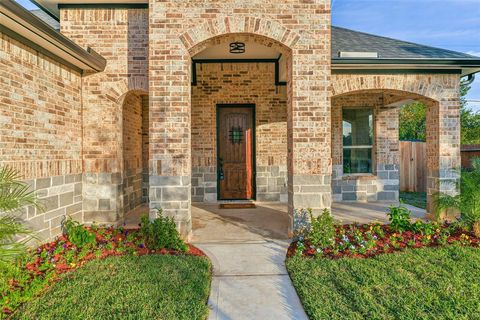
[[173, 195], [60, 196]]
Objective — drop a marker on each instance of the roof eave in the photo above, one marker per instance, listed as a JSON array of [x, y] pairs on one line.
[[25, 27], [467, 66]]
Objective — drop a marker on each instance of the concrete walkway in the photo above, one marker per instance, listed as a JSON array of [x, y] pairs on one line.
[[247, 248]]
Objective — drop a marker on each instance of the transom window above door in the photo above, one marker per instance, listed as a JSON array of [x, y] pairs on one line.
[[357, 140]]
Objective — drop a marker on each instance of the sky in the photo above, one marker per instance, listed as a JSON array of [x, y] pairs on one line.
[[449, 24]]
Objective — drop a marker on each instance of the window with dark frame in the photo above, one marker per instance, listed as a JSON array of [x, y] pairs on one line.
[[357, 128]]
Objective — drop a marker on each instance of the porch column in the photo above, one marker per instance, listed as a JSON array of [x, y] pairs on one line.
[[169, 123], [443, 148], [309, 128]]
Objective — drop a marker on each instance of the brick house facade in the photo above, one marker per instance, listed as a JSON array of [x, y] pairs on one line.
[[144, 128]]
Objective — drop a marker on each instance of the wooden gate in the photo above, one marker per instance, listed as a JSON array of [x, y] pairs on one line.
[[413, 166]]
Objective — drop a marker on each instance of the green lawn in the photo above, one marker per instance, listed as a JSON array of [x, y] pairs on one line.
[[417, 199], [127, 287], [429, 283]]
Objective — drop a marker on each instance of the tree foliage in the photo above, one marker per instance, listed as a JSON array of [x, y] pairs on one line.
[[413, 121]]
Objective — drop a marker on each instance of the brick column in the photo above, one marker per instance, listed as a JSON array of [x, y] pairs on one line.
[[309, 124], [169, 123], [443, 149]]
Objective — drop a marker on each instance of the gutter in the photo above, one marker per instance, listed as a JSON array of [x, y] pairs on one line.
[[462, 66], [25, 27]]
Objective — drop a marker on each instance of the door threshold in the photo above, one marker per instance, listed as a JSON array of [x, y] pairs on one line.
[[239, 204]]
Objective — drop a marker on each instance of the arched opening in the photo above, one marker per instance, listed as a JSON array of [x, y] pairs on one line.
[[368, 163], [135, 141], [240, 83]]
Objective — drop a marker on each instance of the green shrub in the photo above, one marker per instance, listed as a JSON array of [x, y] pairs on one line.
[[77, 233], [399, 217], [322, 229], [161, 233], [468, 201]]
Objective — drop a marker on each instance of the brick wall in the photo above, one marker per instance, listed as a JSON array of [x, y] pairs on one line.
[[120, 36], [231, 83], [132, 151], [40, 132]]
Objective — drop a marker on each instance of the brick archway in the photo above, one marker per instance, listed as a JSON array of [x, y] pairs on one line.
[[440, 94], [175, 36], [268, 31]]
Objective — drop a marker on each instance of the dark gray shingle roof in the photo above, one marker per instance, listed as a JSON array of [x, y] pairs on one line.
[[387, 48], [42, 15]]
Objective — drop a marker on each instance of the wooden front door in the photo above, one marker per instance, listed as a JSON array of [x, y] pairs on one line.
[[235, 157]]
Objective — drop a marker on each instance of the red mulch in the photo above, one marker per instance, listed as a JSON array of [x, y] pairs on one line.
[[406, 239]]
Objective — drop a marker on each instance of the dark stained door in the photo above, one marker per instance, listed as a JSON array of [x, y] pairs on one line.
[[235, 151]]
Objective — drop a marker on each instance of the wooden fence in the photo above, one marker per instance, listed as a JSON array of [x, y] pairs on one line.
[[413, 166], [469, 152]]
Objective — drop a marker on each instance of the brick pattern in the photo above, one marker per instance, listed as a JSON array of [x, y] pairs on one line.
[[132, 151], [121, 36], [231, 83], [302, 29], [40, 113], [40, 133]]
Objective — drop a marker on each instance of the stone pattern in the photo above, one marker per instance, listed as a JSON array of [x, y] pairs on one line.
[[204, 183], [103, 197], [384, 182], [121, 36], [231, 83], [40, 113], [272, 183], [60, 197], [301, 29], [172, 195]]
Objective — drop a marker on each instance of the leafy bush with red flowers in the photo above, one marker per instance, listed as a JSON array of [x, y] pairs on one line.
[[34, 271], [368, 240]]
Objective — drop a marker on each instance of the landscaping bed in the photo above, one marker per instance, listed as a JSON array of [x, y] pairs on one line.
[[368, 240], [425, 283], [33, 272]]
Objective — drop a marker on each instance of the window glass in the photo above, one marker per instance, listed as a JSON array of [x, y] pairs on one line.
[[357, 140]]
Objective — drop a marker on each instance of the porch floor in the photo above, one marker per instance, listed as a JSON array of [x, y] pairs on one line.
[[270, 220]]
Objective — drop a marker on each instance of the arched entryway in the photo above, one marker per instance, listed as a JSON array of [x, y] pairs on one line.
[[182, 140], [365, 139]]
